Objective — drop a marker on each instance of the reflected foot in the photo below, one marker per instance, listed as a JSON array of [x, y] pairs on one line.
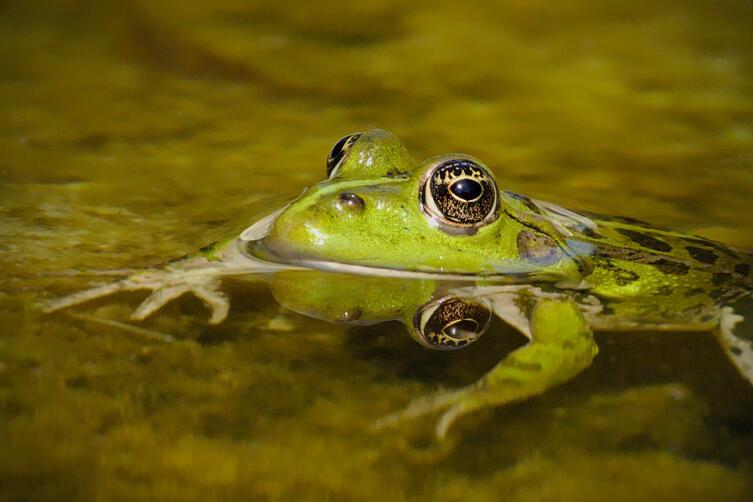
[[455, 404]]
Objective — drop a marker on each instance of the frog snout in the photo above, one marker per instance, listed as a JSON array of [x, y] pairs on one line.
[[306, 229]]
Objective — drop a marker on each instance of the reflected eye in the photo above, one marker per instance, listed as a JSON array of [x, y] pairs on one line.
[[339, 152], [450, 323], [459, 195]]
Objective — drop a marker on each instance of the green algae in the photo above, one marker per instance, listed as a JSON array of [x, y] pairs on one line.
[[135, 132]]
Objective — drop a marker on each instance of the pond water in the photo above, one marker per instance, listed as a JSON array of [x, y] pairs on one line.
[[135, 132]]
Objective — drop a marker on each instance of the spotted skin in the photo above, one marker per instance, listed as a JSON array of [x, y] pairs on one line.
[[654, 277]]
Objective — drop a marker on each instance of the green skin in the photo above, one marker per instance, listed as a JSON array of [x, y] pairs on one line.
[[552, 273]]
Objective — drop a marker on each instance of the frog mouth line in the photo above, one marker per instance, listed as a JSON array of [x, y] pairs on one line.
[[257, 249], [251, 244]]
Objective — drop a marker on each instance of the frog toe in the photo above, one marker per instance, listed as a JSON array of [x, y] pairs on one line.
[[210, 293], [449, 417], [215, 300], [87, 295], [157, 300], [425, 405]]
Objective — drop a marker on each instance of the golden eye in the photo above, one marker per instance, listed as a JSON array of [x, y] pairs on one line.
[[339, 152], [450, 323], [459, 195]]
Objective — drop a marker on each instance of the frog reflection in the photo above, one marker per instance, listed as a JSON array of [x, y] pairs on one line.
[[433, 315]]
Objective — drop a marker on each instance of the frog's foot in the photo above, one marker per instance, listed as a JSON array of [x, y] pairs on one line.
[[455, 404], [210, 293], [165, 286], [736, 344]]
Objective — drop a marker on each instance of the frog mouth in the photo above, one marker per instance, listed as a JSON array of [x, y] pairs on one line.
[[260, 249], [254, 243]]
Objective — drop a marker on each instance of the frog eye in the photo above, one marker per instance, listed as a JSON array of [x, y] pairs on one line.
[[450, 323], [339, 152], [459, 196]]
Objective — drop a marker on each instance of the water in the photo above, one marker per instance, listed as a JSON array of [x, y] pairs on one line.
[[135, 132]]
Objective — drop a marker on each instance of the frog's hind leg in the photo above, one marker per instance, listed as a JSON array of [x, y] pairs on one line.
[[562, 346], [737, 346]]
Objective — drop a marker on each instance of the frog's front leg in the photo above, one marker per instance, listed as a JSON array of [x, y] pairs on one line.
[[561, 346], [195, 275]]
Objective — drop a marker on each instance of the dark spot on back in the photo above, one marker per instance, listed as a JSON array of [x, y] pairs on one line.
[[742, 269], [712, 244], [622, 253], [590, 233], [645, 240], [702, 255], [621, 219], [621, 276], [670, 267], [736, 350], [632, 221]]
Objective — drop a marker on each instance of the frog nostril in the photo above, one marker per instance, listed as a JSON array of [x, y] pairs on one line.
[[350, 201]]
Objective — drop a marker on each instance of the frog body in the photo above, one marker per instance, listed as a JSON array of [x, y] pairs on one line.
[[653, 278], [473, 251]]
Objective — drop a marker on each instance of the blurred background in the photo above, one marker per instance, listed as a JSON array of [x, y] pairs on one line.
[[136, 131]]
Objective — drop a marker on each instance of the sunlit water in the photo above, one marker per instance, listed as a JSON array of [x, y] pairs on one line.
[[135, 132]]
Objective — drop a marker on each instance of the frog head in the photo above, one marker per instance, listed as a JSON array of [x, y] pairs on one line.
[[380, 209]]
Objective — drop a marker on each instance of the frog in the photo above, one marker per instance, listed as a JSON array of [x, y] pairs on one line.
[[471, 251]]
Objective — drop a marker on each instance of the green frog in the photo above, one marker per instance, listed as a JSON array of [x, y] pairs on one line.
[[450, 250]]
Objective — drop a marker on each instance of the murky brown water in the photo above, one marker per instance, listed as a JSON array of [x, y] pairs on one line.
[[134, 132]]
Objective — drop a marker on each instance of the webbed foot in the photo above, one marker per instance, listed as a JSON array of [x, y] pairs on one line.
[[166, 285]]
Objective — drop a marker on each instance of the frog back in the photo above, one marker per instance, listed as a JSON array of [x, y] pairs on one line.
[[632, 257]]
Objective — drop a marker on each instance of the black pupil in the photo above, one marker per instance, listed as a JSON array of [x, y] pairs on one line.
[[467, 189], [461, 328]]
